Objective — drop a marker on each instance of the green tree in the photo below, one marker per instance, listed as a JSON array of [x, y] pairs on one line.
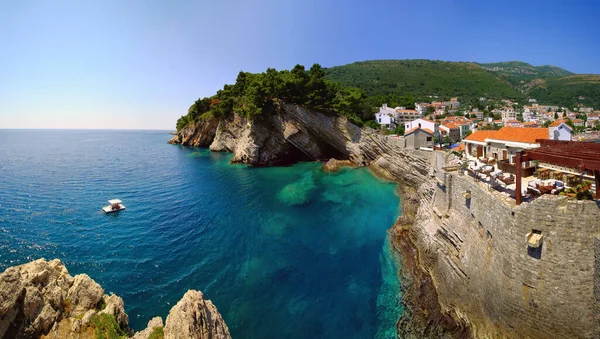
[[373, 124], [555, 115], [399, 130], [430, 109]]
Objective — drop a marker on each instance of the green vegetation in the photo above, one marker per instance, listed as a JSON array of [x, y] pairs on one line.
[[107, 327], [401, 82], [157, 333], [254, 95], [568, 91], [517, 72], [357, 90]]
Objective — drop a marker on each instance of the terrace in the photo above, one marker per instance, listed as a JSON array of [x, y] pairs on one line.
[[566, 168], [582, 156]]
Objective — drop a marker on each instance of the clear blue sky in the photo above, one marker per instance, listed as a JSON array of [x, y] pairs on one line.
[[141, 63]]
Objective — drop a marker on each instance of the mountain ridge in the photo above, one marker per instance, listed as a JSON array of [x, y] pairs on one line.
[[386, 80]]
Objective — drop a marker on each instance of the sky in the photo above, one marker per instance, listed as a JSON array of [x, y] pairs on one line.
[[140, 64]]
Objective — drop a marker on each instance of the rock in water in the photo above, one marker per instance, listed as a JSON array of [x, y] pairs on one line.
[[334, 165], [41, 300], [196, 318]]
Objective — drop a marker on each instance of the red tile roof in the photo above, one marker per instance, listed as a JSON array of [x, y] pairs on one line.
[[556, 123], [518, 134], [459, 148], [481, 135], [450, 125], [427, 130]]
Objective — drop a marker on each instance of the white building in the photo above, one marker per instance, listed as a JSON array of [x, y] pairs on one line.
[[385, 116], [422, 123], [421, 108], [384, 119], [559, 130]]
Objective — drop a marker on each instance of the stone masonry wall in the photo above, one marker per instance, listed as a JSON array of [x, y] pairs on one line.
[[478, 257]]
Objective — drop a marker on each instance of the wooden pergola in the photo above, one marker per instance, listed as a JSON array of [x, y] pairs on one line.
[[575, 154]]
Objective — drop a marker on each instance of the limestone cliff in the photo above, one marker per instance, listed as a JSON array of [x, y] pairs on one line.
[[41, 300], [290, 134]]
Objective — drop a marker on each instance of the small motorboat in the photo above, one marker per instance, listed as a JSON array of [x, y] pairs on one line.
[[115, 206]]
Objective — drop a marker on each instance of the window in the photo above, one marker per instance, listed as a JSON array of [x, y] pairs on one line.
[[429, 138]]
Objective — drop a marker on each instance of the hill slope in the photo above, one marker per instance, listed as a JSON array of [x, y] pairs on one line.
[[568, 91], [391, 80], [421, 78], [518, 72]]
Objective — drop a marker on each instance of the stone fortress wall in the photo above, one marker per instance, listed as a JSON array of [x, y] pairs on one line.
[[485, 272]]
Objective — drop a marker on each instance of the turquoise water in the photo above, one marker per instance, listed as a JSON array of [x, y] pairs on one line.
[[288, 252]]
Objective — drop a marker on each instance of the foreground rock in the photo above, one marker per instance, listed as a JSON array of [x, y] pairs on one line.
[[195, 318], [41, 299]]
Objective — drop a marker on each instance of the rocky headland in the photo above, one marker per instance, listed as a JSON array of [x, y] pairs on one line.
[[41, 299], [466, 270], [294, 134]]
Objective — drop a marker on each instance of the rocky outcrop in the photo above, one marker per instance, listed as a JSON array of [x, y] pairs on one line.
[[196, 318], [289, 134], [199, 134], [41, 300], [334, 165]]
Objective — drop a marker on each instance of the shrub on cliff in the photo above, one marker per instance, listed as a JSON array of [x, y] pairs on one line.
[[106, 327]]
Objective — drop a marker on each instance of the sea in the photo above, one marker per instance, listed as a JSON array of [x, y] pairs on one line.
[[283, 252]]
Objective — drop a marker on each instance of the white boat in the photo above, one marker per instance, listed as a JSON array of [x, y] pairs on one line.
[[115, 206]]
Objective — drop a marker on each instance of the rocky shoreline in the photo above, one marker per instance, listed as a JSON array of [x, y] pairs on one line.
[[41, 299], [294, 134]]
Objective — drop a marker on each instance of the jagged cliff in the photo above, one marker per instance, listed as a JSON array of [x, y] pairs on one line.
[[41, 300]]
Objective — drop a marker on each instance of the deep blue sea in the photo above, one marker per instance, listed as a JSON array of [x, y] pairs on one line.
[[288, 252]]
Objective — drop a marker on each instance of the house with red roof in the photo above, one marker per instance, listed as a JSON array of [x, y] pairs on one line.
[[419, 137], [450, 130], [578, 122], [504, 143]]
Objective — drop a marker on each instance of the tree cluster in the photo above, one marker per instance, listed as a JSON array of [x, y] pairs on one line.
[[254, 95]]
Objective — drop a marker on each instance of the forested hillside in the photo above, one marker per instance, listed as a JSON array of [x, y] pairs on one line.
[[397, 82], [518, 73], [389, 79], [568, 91]]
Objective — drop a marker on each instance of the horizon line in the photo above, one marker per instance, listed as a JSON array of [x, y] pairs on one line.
[[84, 129]]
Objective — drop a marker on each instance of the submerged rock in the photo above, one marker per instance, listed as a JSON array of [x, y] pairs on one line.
[[298, 193], [41, 299]]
